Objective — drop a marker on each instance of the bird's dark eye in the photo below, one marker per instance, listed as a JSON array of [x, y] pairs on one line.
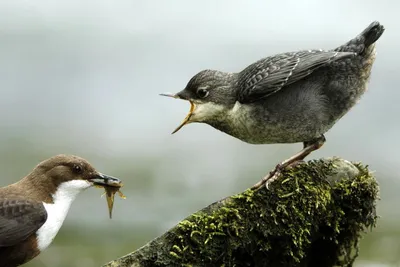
[[77, 169], [202, 93]]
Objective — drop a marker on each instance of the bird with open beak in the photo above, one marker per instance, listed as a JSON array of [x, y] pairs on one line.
[[286, 98]]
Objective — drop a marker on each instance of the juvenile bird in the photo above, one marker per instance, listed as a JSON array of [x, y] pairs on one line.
[[33, 209], [286, 98]]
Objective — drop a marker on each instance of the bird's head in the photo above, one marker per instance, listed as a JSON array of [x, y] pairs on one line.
[[211, 94], [70, 174]]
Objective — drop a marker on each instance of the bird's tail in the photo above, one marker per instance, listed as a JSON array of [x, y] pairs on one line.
[[364, 40]]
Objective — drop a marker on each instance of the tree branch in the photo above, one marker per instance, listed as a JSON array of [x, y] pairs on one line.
[[313, 215]]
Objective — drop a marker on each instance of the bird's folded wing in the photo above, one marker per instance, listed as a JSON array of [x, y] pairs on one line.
[[271, 74], [19, 219]]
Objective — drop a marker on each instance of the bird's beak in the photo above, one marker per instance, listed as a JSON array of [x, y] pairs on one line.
[[170, 95], [186, 120], [104, 180]]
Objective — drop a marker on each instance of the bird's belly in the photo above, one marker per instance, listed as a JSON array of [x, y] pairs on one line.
[[260, 127], [262, 133], [19, 254]]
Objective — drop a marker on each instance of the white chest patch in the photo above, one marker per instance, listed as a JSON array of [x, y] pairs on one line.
[[57, 211]]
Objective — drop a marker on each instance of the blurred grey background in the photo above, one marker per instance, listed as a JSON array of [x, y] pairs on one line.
[[83, 77]]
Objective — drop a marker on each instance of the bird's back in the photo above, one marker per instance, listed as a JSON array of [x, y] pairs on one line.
[[305, 108]]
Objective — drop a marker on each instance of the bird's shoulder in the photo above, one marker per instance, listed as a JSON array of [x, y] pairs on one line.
[[19, 218]]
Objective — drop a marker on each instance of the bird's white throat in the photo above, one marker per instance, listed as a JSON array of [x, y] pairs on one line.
[[57, 211], [210, 110], [206, 111]]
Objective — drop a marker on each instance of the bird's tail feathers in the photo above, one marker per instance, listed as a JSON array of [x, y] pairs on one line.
[[372, 33], [364, 40]]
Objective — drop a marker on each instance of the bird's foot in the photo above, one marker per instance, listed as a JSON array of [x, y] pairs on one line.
[[275, 173], [292, 161]]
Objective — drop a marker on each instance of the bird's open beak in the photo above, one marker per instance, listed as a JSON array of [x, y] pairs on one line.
[[104, 180], [186, 120]]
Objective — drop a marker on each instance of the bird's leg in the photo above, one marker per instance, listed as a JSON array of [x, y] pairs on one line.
[[308, 147]]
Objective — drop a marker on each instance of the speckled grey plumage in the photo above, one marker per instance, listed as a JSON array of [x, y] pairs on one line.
[[287, 98]]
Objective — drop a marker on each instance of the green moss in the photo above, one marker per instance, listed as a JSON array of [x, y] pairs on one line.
[[303, 220]]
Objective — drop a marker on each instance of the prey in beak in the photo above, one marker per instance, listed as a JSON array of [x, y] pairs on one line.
[[104, 180], [111, 186], [186, 120]]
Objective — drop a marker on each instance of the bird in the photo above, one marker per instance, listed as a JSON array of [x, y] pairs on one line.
[[33, 209], [291, 97]]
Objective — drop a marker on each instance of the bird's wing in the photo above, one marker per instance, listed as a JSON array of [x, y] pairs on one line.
[[19, 219], [271, 74]]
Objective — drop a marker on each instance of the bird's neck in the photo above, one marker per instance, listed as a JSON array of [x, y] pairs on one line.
[[29, 188], [234, 121]]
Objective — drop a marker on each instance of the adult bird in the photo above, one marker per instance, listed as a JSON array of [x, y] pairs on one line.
[[33, 209]]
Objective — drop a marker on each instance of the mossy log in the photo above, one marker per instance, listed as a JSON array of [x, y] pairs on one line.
[[313, 215]]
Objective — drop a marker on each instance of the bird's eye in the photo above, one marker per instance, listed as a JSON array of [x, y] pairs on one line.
[[77, 169], [202, 93]]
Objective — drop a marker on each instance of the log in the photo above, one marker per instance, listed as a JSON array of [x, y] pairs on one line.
[[313, 215]]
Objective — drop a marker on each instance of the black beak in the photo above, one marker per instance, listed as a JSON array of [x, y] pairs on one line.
[[102, 180]]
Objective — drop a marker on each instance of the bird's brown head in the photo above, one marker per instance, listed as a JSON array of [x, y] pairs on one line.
[[73, 173], [211, 93]]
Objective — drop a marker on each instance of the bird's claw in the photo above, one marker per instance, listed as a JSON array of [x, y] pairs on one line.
[[268, 179], [274, 174], [272, 178]]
